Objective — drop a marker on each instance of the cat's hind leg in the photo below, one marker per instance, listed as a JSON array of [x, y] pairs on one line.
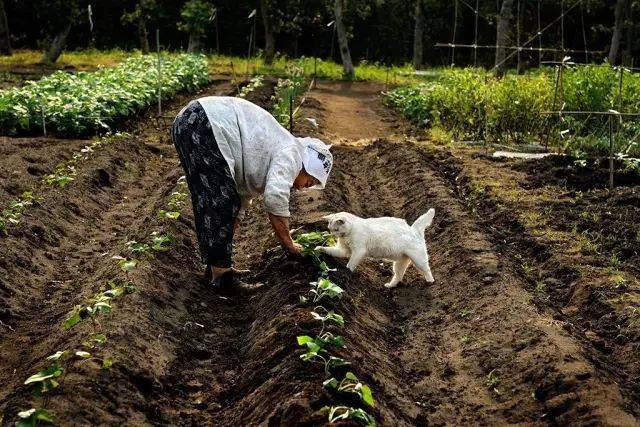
[[399, 269], [421, 260]]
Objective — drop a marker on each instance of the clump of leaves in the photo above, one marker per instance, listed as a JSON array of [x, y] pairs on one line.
[[163, 214], [351, 384], [309, 241], [13, 214], [322, 289], [339, 413], [161, 242], [254, 83], [323, 315], [126, 264], [46, 380], [136, 248], [493, 381], [177, 200], [316, 351], [34, 416], [99, 304]]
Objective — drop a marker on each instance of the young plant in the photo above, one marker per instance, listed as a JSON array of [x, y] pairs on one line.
[[46, 380], [136, 248], [163, 214], [161, 242], [34, 416], [327, 316], [323, 289], [99, 304], [351, 384], [127, 265], [341, 413]]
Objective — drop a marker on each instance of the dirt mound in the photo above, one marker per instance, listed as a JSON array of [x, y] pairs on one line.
[[563, 171]]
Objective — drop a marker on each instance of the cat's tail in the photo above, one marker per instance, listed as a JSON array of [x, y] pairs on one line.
[[424, 221]]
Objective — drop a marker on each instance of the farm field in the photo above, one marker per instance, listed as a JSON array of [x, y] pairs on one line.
[[319, 213], [531, 318]]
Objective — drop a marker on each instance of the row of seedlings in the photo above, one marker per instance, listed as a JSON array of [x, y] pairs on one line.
[[340, 382], [99, 305], [62, 175]]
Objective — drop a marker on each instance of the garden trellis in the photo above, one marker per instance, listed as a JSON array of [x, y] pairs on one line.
[[516, 47]]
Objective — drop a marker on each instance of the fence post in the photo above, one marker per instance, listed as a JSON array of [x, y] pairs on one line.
[[159, 73], [291, 112], [611, 165], [44, 124]]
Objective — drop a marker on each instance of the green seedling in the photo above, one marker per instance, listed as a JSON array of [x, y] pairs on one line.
[[309, 241], [125, 264], [315, 351], [541, 287], [136, 248], [464, 339], [162, 214], [493, 381], [177, 200], [99, 304], [327, 316], [340, 413], [466, 312], [45, 380], [614, 261], [96, 341], [351, 384], [161, 242], [324, 289], [107, 363], [33, 416]]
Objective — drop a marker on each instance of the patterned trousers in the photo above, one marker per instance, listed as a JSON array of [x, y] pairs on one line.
[[216, 202]]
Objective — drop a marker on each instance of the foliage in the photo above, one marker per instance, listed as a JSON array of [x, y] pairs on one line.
[[84, 102], [196, 17], [99, 304], [286, 93], [351, 384], [339, 413], [33, 416], [254, 84]]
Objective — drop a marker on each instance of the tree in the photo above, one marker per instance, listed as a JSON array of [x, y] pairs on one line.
[[140, 16], [502, 35], [418, 36], [617, 31], [269, 36], [5, 42], [63, 16], [343, 42], [196, 16]]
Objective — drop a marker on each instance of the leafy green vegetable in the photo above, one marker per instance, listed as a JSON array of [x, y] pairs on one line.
[[338, 413], [351, 384], [85, 102], [45, 380], [31, 417]]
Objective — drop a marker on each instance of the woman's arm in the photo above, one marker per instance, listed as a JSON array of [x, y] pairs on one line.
[[280, 226]]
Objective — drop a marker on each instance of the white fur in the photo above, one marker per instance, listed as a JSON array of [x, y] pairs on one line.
[[386, 238]]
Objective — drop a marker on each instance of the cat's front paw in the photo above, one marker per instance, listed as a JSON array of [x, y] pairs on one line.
[[352, 267], [430, 279], [320, 249], [390, 285]]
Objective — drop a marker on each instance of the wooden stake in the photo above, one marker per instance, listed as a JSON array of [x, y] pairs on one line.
[[44, 124], [291, 112], [159, 73]]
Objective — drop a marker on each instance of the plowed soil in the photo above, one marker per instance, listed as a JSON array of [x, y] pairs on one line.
[[479, 346]]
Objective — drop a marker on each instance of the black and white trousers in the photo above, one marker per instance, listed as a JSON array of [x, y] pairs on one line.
[[216, 202]]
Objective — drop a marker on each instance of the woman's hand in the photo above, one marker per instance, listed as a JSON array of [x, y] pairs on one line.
[[280, 226], [294, 249]]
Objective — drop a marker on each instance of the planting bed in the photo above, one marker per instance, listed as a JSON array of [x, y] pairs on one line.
[[480, 345]]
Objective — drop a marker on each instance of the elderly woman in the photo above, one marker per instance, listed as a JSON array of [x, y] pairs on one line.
[[231, 151]]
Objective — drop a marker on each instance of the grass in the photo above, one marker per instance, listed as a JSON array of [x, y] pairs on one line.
[[395, 75], [88, 59]]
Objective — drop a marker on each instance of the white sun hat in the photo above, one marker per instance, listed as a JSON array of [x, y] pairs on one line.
[[317, 160]]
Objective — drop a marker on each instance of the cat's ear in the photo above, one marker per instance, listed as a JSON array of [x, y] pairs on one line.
[[328, 217], [340, 222]]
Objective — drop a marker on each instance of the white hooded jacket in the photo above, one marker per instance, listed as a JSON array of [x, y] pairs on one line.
[[263, 156]]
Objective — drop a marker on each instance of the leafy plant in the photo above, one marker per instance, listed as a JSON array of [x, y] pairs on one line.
[[84, 102], [45, 380], [351, 384], [254, 84], [99, 304], [33, 416], [323, 289], [163, 214], [161, 242], [339, 413]]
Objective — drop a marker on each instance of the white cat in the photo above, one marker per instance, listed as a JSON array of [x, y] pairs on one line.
[[386, 238]]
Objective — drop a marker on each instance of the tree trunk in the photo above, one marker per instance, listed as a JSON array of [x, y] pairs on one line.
[[502, 35], [52, 54], [144, 35], [343, 42], [5, 42], [269, 37], [195, 43], [418, 37], [627, 56], [617, 31]]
